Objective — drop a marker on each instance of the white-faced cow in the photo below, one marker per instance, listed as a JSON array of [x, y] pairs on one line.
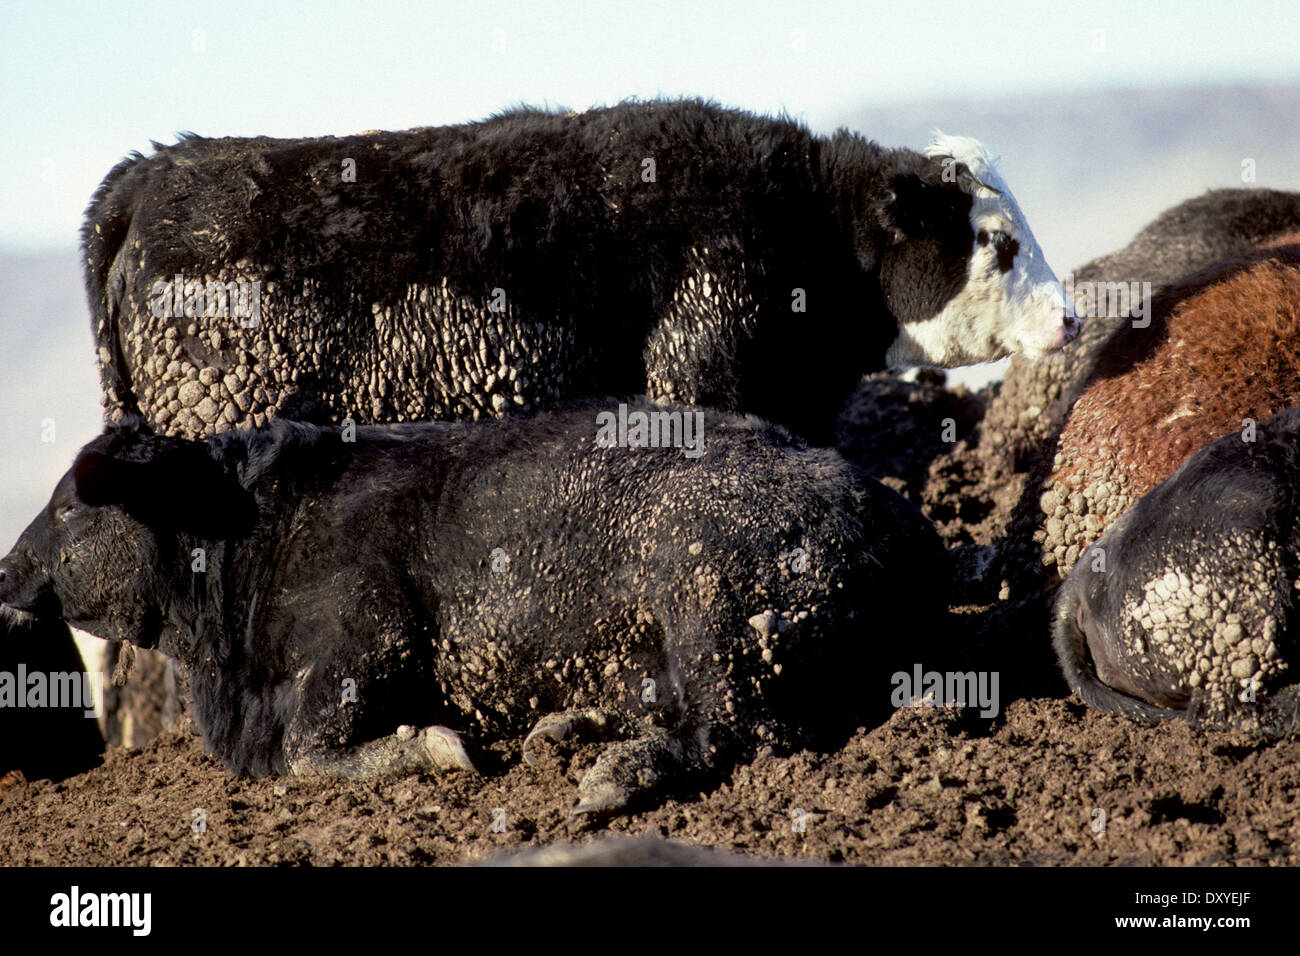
[[350, 604], [694, 253]]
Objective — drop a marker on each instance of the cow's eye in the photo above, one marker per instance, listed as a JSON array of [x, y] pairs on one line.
[[982, 237], [66, 512], [1006, 248]]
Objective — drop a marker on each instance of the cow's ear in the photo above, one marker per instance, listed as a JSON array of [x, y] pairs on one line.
[[104, 480], [902, 210], [960, 173], [179, 488]]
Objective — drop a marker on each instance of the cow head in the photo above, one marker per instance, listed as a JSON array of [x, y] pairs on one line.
[[963, 274], [105, 552]]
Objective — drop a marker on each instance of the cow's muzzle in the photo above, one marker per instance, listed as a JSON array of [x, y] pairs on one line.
[[20, 588], [1073, 326]]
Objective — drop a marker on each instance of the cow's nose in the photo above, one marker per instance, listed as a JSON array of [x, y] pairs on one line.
[[9, 578], [1073, 325]]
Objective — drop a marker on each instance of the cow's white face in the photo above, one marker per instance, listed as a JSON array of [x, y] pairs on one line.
[[1011, 302]]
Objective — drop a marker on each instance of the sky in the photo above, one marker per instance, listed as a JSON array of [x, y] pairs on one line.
[[84, 83]]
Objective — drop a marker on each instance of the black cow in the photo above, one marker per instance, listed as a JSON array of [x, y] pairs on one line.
[[47, 719], [1187, 605], [694, 253], [1221, 224], [334, 590]]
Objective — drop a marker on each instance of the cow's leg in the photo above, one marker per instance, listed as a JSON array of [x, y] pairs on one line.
[[328, 739], [649, 761], [332, 735], [626, 769], [568, 725], [409, 750], [629, 769]]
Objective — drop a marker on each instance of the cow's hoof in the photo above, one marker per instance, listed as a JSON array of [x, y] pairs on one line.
[[599, 798], [565, 726], [626, 772], [445, 750]]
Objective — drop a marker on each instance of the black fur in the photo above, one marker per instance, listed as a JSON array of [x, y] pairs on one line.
[[44, 742], [484, 575], [1221, 224], [553, 209], [1204, 521]]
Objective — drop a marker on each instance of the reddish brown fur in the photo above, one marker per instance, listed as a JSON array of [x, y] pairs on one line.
[[1223, 346]]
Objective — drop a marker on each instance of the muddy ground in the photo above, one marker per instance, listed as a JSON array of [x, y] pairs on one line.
[[1046, 781], [928, 787]]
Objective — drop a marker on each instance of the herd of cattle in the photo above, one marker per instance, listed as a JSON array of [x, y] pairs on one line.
[[524, 430]]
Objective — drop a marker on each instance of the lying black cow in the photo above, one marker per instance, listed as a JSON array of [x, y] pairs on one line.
[[330, 596], [1187, 605], [694, 253]]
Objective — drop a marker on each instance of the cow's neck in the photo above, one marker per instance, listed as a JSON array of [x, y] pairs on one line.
[[197, 615]]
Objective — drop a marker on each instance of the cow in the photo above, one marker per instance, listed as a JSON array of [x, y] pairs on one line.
[[1222, 346], [1020, 431], [353, 601], [698, 254], [1187, 605], [47, 707], [1221, 225]]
